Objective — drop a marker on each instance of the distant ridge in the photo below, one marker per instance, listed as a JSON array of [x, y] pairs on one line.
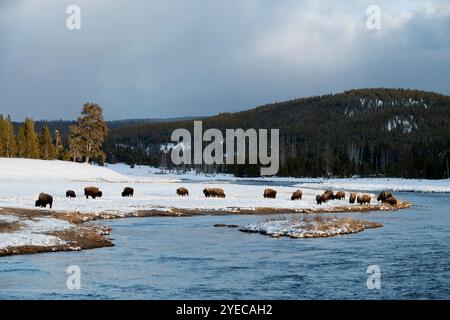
[[366, 132]]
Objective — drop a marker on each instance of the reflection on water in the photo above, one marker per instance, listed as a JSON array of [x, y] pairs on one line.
[[188, 258]]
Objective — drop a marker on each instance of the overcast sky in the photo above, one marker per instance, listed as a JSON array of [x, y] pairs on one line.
[[170, 58]]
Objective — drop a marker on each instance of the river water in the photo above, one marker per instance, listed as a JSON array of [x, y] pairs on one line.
[[188, 258]]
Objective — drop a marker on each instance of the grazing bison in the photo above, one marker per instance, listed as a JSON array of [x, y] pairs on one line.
[[182, 192], [352, 198], [93, 192], [214, 192], [127, 192], [391, 200], [44, 200], [326, 197], [319, 199], [340, 195], [383, 196], [363, 199], [70, 194], [331, 193], [270, 193], [297, 195]]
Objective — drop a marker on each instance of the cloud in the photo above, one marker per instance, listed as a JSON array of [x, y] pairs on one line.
[[185, 57]]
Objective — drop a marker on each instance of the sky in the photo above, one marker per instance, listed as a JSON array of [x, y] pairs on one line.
[[176, 58]]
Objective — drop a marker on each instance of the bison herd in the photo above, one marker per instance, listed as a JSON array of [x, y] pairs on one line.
[[94, 192]]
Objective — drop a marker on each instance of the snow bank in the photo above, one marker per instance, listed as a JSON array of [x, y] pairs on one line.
[[309, 227], [44, 170], [32, 232], [358, 184], [376, 184]]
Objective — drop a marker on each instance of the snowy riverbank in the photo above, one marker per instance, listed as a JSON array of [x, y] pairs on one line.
[[22, 226]]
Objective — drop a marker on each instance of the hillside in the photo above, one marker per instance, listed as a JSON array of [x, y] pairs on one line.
[[392, 132]]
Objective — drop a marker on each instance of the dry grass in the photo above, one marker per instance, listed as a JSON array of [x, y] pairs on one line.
[[6, 227]]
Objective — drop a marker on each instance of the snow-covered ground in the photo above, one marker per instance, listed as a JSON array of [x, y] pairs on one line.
[[21, 180], [306, 227], [142, 173], [377, 184], [32, 231], [27, 170]]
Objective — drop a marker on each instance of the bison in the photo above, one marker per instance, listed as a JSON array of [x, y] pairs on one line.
[[326, 197], [214, 192], [297, 195], [352, 198], [383, 196], [127, 192], [92, 192], [340, 195], [182, 192], [70, 194], [363, 199], [270, 193], [331, 193], [44, 200], [319, 199], [391, 200]]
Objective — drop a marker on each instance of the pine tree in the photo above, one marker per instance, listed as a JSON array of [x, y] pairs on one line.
[[27, 140], [46, 144], [75, 143], [59, 147], [9, 138], [90, 131], [2, 136]]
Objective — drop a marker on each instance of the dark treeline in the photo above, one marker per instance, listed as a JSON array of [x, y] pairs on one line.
[[390, 132]]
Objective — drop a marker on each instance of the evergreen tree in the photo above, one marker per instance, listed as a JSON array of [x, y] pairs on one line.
[[28, 142], [46, 144], [2, 136], [59, 147], [9, 139], [75, 143], [90, 131]]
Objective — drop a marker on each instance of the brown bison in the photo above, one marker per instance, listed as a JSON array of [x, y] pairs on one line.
[[214, 192], [327, 197], [391, 200], [383, 196], [270, 193], [331, 193], [363, 199], [297, 195], [70, 194], [182, 192], [127, 192], [340, 195], [92, 192], [44, 200], [319, 199], [352, 198]]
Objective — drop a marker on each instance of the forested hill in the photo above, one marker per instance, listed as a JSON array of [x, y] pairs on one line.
[[392, 132]]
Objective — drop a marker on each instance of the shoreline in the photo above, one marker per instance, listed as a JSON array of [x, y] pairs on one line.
[[81, 236]]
